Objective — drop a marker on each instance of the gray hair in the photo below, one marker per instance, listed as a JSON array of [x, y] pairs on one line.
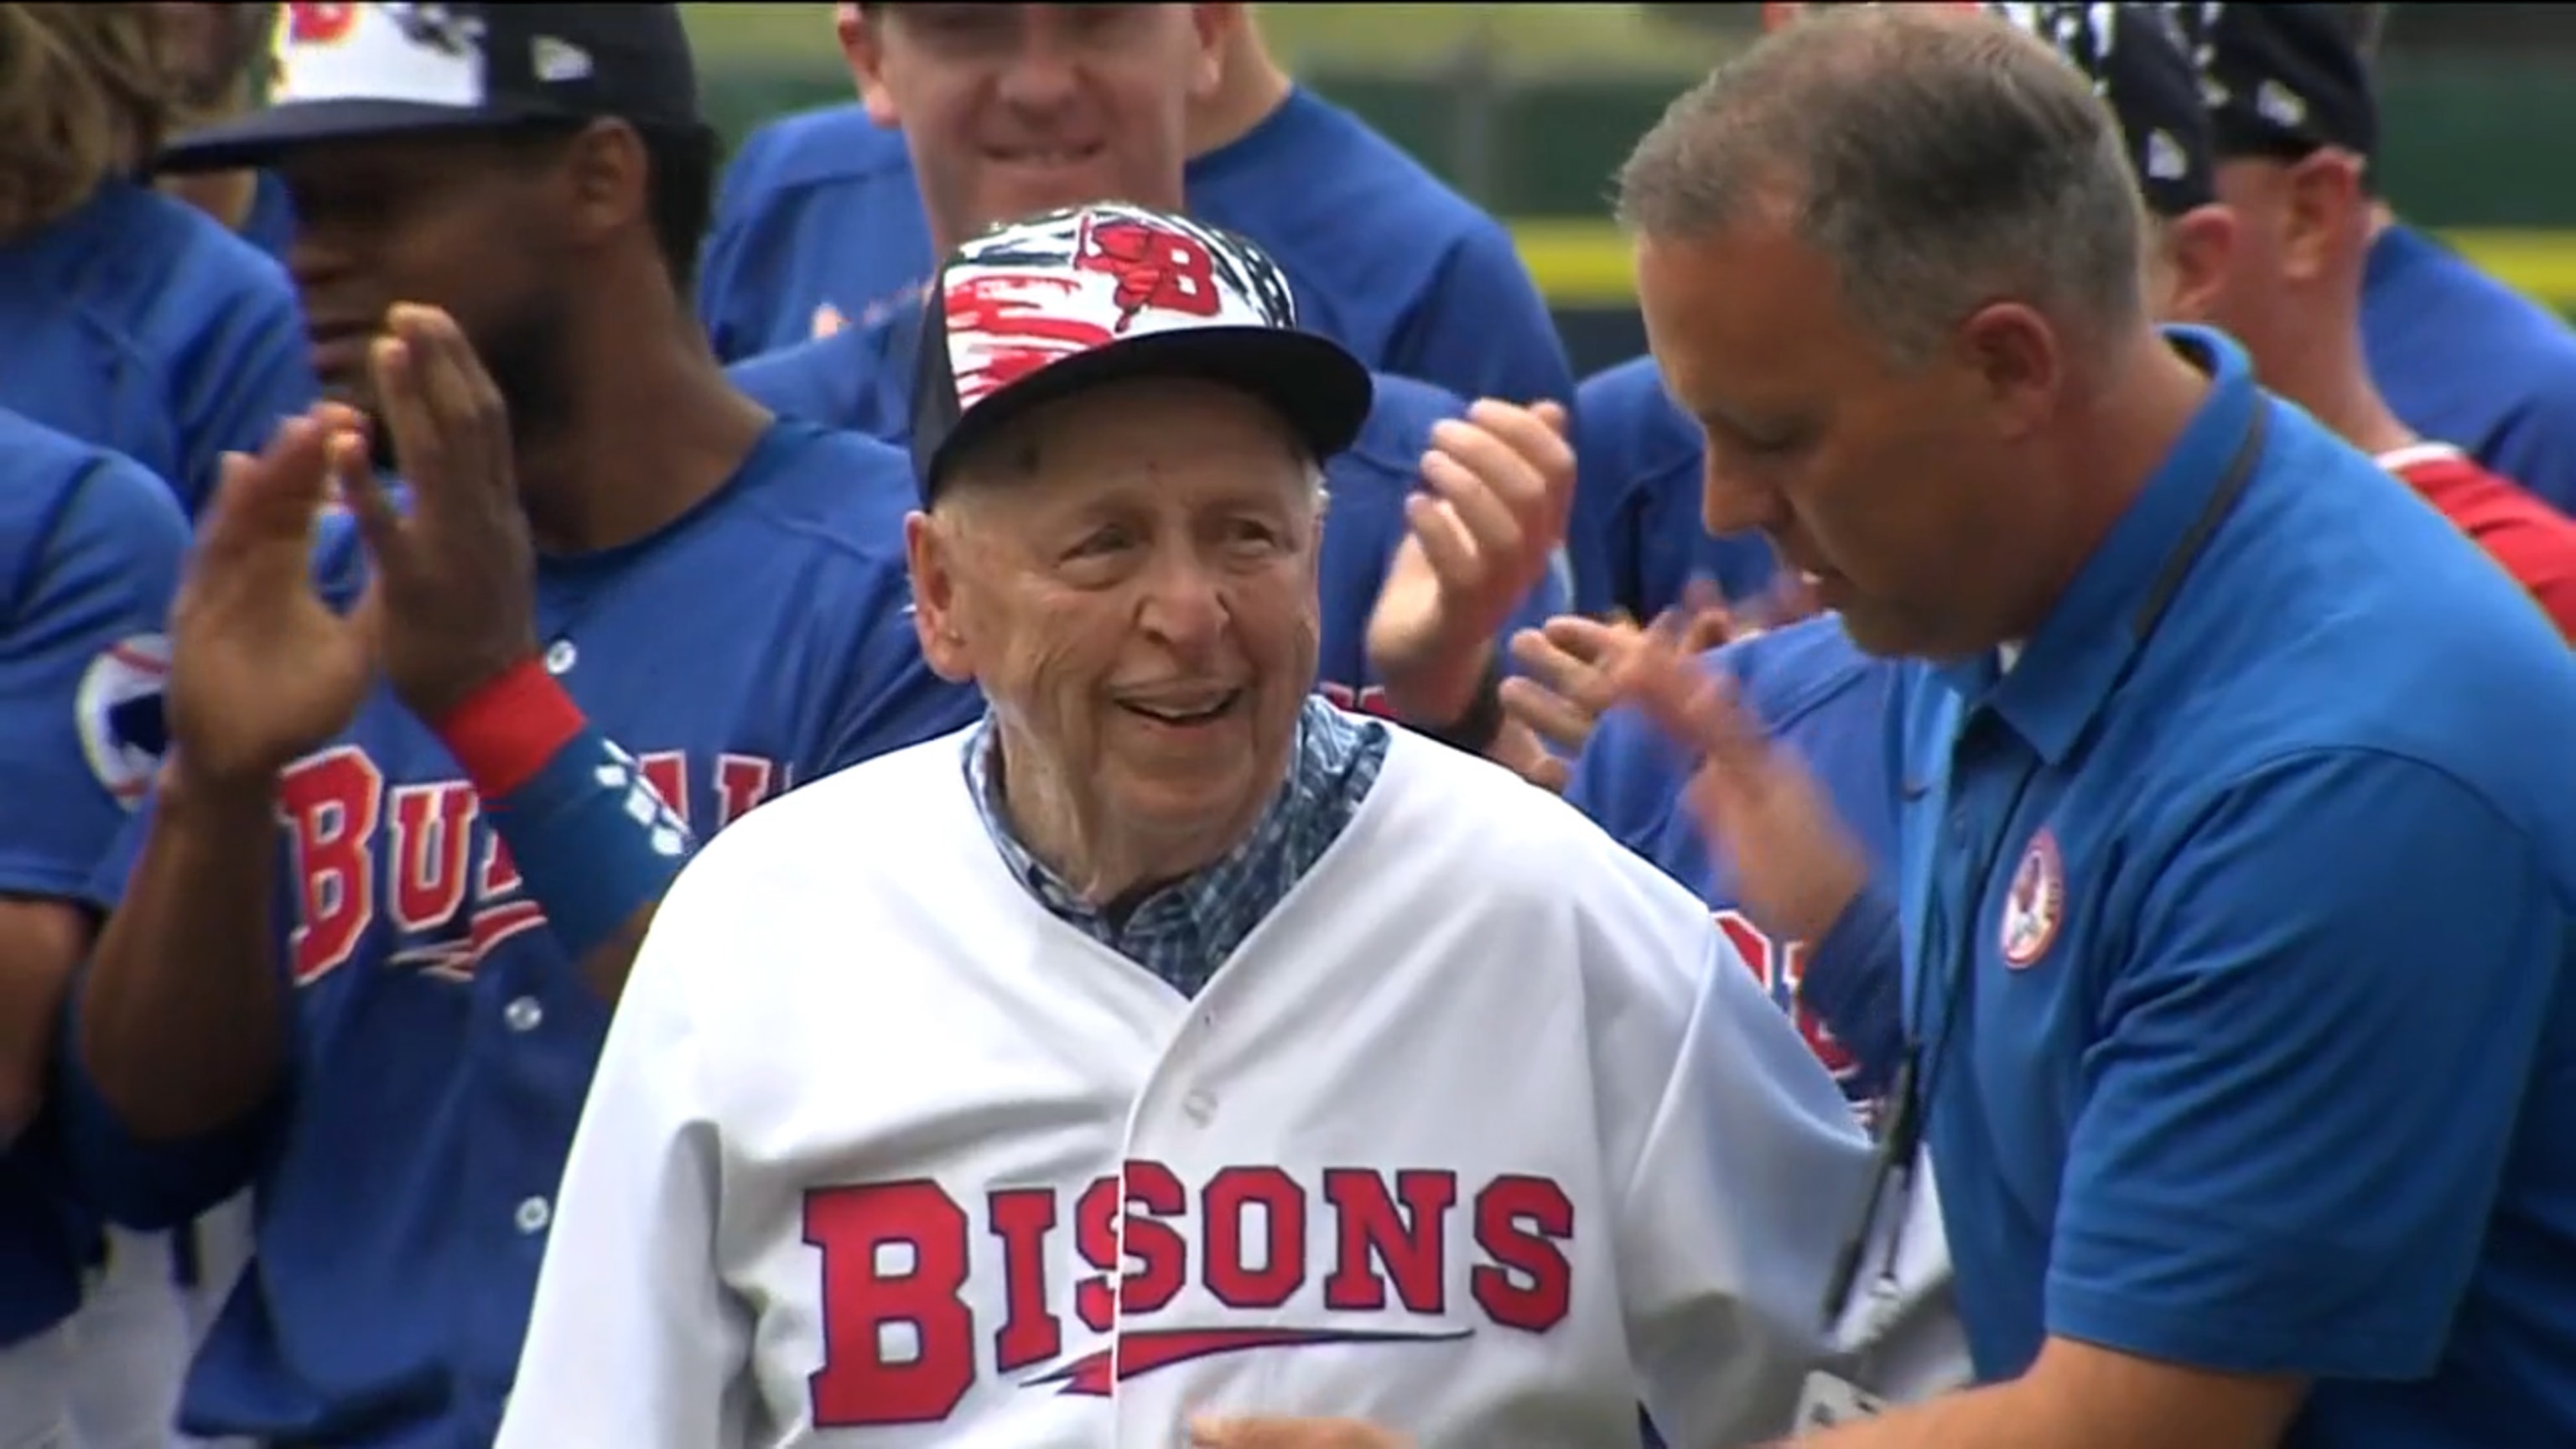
[[1938, 161]]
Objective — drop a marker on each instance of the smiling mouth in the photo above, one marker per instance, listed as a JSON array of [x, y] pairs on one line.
[[1183, 715]]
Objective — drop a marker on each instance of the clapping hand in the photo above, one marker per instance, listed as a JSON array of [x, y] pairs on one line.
[[1499, 485], [456, 578]]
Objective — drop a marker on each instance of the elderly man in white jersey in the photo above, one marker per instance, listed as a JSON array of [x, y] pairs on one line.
[[1172, 1044]]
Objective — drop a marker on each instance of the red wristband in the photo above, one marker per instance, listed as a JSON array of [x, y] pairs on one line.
[[505, 731]]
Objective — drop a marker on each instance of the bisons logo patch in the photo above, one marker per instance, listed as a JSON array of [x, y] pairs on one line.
[[2036, 905]]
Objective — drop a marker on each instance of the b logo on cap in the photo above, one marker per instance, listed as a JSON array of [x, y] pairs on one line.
[[319, 24], [1154, 266]]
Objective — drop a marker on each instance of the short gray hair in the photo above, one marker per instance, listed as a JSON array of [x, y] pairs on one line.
[[1938, 161]]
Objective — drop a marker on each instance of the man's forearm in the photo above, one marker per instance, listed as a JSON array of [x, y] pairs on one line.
[[182, 1018]]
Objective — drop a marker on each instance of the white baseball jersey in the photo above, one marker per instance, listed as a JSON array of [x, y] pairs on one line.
[[1483, 1134], [1901, 1336]]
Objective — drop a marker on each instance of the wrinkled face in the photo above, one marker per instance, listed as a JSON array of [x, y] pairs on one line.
[[1130, 575], [1011, 110], [476, 226], [1893, 488]]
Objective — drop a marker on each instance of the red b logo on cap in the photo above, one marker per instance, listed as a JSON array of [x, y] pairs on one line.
[[319, 24], [1154, 267]]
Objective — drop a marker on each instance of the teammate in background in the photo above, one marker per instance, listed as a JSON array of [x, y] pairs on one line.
[[822, 224], [2292, 116], [221, 54], [90, 545], [1108, 86], [2460, 356], [1169, 969], [131, 320], [1636, 540], [625, 605]]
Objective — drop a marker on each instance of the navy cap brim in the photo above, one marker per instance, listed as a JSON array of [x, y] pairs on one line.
[[261, 137], [1321, 389]]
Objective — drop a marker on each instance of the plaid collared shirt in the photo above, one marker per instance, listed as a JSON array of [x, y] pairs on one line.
[[1185, 930]]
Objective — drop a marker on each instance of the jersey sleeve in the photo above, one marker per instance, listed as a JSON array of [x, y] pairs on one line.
[[82, 663], [250, 369], [1481, 329], [2339, 981], [633, 1339], [1742, 1173]]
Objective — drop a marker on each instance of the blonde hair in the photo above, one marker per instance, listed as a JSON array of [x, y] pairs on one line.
[[85, 95]]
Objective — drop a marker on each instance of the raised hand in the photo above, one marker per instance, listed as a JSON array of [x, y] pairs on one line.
[[262, 670], [1500, 483], [457, 577], [1795, 866]]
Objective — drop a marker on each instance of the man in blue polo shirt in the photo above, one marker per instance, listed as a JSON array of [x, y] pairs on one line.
[[2236, 844]]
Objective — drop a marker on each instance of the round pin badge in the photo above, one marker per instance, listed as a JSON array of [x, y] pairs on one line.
[[2036, 904]]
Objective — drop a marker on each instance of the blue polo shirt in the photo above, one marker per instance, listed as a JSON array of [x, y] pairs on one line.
[[2236, 923]]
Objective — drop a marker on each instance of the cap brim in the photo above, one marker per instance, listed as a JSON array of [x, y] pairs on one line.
[[259, 138], [1321, 389]]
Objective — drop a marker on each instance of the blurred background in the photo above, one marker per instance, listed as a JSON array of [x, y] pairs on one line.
[[1528, 109]]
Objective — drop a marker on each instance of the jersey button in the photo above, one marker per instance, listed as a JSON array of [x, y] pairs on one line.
[[534, 1214], [1199, 1107], [523, 1013], [561, 656]]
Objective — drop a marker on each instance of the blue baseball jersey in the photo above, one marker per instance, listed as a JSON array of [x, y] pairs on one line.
[[1820, 697], [90, 545], [1636, 539], [270, 226], [2465, 359], [820, 224], [139, 323], [442, 1041], [2236, 918], [861, 379]]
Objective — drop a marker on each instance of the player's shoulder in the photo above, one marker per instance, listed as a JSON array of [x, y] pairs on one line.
[[180, 255], [834, 837], [1622, 411], [1402, 412], [2333, 585], [1363, 165], [1622, 383], [827, 145], [833, 380], [1517, 840], [51, 481], [839, 492], [1342, 207], [1789, 673]]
